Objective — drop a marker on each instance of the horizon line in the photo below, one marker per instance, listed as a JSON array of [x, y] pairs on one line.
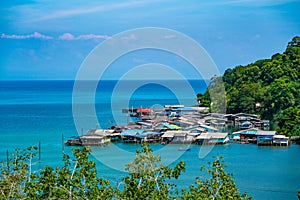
[[192, 79]]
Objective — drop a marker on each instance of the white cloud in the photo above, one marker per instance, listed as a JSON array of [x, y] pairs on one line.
[[65, 36], [35, 35], [92, 36], [69, 36]]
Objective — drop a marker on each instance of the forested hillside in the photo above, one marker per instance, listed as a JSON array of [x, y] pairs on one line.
[[269, 87]]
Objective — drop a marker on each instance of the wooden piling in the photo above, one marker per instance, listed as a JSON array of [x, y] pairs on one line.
[[62, 144], [39, 151], [7, 160]]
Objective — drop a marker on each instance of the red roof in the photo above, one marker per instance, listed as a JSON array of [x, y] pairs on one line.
[[144, 110]]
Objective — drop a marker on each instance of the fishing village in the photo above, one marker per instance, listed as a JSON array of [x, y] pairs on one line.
[[177, 124]]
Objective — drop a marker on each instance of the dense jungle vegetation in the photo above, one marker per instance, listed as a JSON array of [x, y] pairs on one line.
[[268, 87]]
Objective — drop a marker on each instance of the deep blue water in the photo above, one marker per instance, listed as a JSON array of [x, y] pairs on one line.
[[33, 111]]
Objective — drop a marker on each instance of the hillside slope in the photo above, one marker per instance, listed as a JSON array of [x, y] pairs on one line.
[[269, 87]]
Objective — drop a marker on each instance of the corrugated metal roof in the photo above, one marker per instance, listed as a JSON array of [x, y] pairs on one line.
[[260, 132], [207, 127], [92, 137], [280, 137], [103, 132], [175, 133], [216, 135], [180, 133], [168, 134]]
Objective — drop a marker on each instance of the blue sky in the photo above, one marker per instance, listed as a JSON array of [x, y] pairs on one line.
[[46, 39]]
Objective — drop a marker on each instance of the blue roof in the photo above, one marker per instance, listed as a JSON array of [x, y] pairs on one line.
[[186, 109], [160, 127], [169, 126], [153, 133], [165, 113], [250, 132], [132, 132]]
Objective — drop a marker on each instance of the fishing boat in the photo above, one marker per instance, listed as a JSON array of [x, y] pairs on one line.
[[75, 141], [184, 149]]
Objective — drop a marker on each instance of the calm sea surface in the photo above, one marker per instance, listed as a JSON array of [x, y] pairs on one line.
[[33, 111]]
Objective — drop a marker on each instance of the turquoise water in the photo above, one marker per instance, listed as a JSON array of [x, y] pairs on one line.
[[34, 111], [263, 172]]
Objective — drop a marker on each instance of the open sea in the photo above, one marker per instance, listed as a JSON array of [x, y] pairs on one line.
[[42, 111]]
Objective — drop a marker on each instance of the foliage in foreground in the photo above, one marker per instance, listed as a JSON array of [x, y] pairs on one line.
[[219, 186], [77, 179], [148, 178]]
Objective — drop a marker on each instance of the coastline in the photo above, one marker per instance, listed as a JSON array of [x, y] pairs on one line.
[[42, 119]]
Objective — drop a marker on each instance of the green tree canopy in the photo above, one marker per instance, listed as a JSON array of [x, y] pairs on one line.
[[266, 87], [77, 179]]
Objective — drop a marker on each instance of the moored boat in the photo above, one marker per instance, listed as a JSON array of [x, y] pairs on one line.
[[184, 149], [74, 142]]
